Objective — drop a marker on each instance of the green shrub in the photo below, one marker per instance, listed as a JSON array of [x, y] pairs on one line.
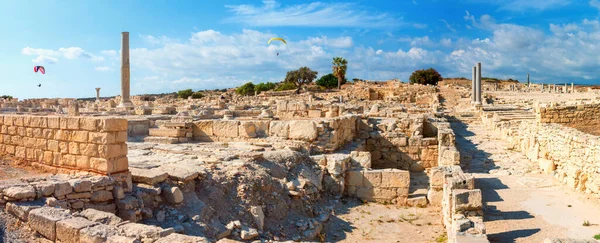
[[6, 97], [597, 237], [329, 81], [197, 95], [425, 76], [286, 86], [184, 94], [264, 87], [246, 89]]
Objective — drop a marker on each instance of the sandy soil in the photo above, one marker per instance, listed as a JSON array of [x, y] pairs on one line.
[[591, 128], [371, 222], [9, 170]]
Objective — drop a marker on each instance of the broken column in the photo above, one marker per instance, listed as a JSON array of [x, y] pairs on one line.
[[97, 94], [572, 88], [473, 84], [125, 102], [542, 90], [478, 84]]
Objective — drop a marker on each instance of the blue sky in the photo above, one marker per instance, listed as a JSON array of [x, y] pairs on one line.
[[216, 44]]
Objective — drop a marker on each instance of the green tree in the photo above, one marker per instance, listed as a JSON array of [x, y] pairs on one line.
[[264, 87], [425, 76], [329, 81], [7, 97], [246, 89], [184, 94], [197, 95], [340, 65], [301, 76]]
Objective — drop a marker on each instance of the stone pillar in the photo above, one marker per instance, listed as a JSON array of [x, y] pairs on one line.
[[528, 83], [565, 90], [572, 88], [478, 85], [542, 90], [125, 102], [97, 94], [474, 85]]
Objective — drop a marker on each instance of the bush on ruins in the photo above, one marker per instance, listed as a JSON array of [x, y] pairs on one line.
[[425, 76], [246, 89], [264, 87], [184, 94], [286, 86], [329, 81], [300, 77], [197, 95]]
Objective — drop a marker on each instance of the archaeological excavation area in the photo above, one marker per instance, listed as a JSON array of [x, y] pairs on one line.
[[372, 162]]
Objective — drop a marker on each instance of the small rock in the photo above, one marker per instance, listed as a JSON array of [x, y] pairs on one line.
[[173, 194], [323, 217], [258, 215], [196, 218], [178, 228], [249, 233], [234, 225], [160, 216]]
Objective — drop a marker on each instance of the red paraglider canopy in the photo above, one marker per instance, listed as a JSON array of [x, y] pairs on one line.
[[40, 69]]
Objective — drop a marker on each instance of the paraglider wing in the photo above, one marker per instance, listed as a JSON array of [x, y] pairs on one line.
[[40, 69], [277, 38]]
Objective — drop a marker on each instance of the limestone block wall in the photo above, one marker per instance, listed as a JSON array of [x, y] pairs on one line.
[[581, 113], [324, 134], [401, 143], [571, 155], [380, 185], [462, 205], [66, 143]]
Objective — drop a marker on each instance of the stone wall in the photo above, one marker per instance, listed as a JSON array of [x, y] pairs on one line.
[[572, 114], [325, 135], [571, 155], [66, 143], [409, 143], [462, 205]]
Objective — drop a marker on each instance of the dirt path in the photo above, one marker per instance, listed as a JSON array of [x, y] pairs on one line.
[[522, 204]]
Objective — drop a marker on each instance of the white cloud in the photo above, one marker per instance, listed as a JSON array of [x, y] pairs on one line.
[[109, 53], [341, 42], [446, 42], [525, 5], [103, 69], [595, 4], [448, 25], [52, 56], [316, 14]]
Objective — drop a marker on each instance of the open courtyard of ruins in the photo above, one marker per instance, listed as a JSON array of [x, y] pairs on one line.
[[464, 161]]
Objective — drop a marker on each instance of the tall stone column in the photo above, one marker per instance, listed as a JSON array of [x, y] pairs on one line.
[[478, 85], [542, 90], [97, 94], [572, 88], [474, 85], [125, 102]]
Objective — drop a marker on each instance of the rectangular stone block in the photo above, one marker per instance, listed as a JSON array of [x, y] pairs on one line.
[[102, 137], [227, 129], [112, 150], [112, 124], [54, 122], [165, 132], [21, 209], [88, 149], [67, 230], [120, 137], [314, 113], [354, 178], [395, 178], [372, 178], [80, 136], [365, 193], [466, 200], [88, 124], [303, 130], [43, 220], [384, 193], [202, 128], [62, 135], [279, 129]]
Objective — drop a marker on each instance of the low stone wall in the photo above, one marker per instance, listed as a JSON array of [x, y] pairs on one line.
[[573, 114], [571, 155], [383, 185], [409, 143], [66, 143], [325, 134], [462, 205]]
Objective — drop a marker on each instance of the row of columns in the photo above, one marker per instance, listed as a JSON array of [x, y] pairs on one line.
[[476, 84]]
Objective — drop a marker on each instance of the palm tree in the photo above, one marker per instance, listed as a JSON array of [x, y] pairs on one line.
[[339, 69]]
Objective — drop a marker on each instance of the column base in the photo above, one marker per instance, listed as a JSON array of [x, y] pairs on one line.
[[126, 104]]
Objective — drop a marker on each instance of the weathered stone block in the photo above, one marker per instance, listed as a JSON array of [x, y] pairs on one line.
[[225, 129], [172, 194], [43, 220], [112, 124], [67, 230], [148, 176], [384, 193], [102, 138], [202, 128], [372, 178], [20, 192], [395, 178], [354, 178], [279, 129], [88, 124], [21, 209], [466, 200], [303, 130]]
